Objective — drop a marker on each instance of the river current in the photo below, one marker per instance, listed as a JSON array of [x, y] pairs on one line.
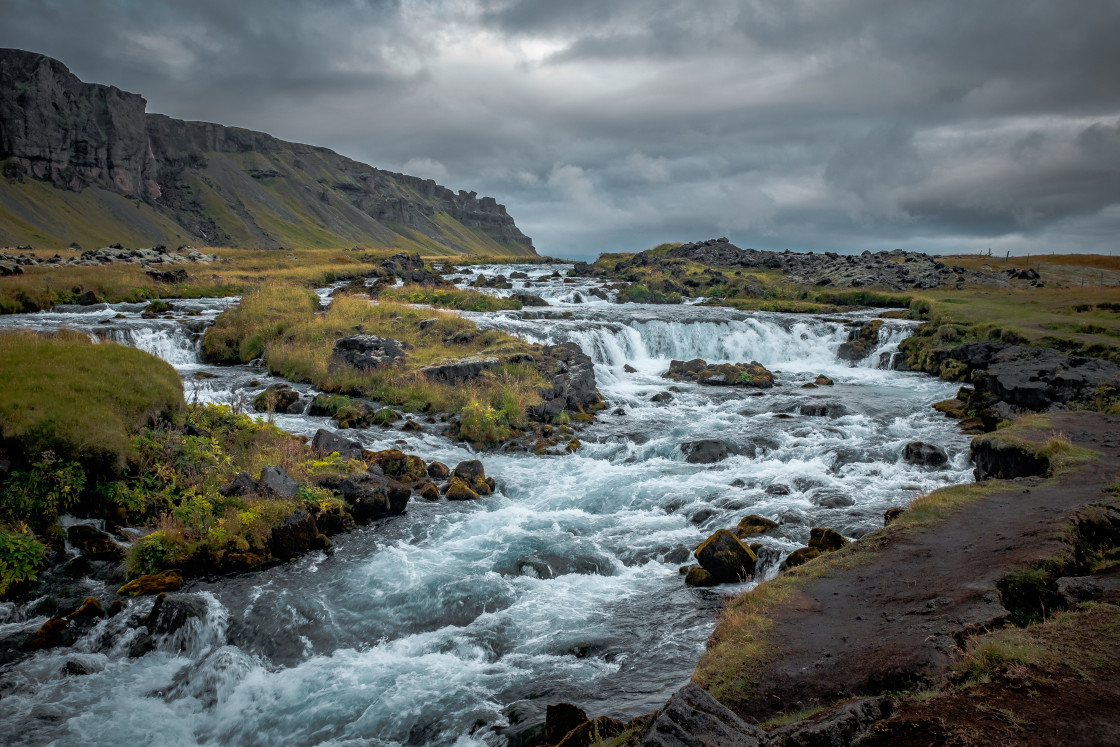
[[457, 622]]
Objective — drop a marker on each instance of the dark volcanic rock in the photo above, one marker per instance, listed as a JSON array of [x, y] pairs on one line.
[[693, 718], [459, 371], [295, 536], [572, 376], [241, 485], [276, 398], [726, 558], [364, 352], [995, 458], [838, 726], [327, 442], [372, 496], [275, 480], [926, 455], [704, 451]]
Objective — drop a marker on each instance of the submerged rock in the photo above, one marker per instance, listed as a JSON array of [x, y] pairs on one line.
[[923, 454], [754, 524], [704, 451]]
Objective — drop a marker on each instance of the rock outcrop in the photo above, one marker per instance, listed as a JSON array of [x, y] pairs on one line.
[[76, 136], [752, 374]]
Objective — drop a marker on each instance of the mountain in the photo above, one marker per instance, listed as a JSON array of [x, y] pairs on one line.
[[86, 163]]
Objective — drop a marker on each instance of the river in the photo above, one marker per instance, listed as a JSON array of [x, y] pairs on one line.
[[456, 621]]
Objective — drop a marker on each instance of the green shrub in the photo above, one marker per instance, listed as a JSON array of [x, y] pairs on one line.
[[21, 557], [38, 495], [482, 424]]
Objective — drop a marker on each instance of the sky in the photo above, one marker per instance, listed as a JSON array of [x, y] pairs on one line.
[[952, 126]]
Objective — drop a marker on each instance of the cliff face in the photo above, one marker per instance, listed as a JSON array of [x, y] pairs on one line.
[[98, 150]]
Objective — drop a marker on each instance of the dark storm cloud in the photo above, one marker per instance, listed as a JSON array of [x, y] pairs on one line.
[[802, 124]]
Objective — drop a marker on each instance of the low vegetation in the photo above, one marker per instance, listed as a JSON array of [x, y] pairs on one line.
[[281, 323], [460, 299]]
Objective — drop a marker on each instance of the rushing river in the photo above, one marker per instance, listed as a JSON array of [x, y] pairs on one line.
[[457, 620]]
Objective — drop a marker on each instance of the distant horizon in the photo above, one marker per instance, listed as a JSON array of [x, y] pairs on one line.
[[945, 128]]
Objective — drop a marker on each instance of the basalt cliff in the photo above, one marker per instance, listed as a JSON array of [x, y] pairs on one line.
[[86, 163]]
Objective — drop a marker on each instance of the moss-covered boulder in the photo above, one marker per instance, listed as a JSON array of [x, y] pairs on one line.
[[752, 374], [890, 515], [823, 380], [474, 476], [799, 557], [754, 524], [438, 471], [560, 719], [458, 490], [429, 492], [53, 633], [276, 398], [726, 558], [154, 583], [697, 576], [826, 540], [404, 468], [862, 339]]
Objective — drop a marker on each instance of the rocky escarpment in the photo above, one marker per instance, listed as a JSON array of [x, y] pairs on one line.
[[206, 183]]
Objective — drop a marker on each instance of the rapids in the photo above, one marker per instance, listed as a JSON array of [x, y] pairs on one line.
[[455, 622]]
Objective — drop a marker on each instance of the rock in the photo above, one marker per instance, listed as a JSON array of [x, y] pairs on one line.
[[823, 410], [738, 482], [693, 718], [823, 380], [276, 398], [74, 668], [890, 515], [276, 481], [328, 442], [141, 645], [842, 725], [458, 490], [697, 576], [593, 732], [704, 451], [174, 613], [372, 496], [831, 499], [410, 426], [332, 519], [799, 557], [168, 276], [754, 524], [88, 298], [152, 584], [560, 719], [752, 374], [923, 454], [777, 489], [529, 300], [461, 370], [365, 352], [297, 535], [405, 468], [438, 470], [86, 615], [241, 485], [429, 492], [726, 558], [473, 475], [662, 398], [93, 544], [53, 633], [572, 376], [1005, 460], [826, 540], [629, 369]]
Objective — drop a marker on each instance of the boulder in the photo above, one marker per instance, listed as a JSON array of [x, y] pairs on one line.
[[473, 475], [276, 398], [754, 524], [572, 376], [842, 725], [923, 454], [371, 496], [826, 540], [527, 299], [241, 485], [560, 719], [459, 490], [153, 584], [456, 372], [276, 481], [438, 470], [704, 451], [174, 613], [429, 492], [328, 442], [296, 535], [697, 576], [726, 558], [777, 489], [693, 718], [823, 380], [628, 368], [365, 352], [662, 398], [404, 468], [799, 557], [93, 544], [53, 633], [995, 458], [332, 519], [87, 614], [890, 515], [752, 374]]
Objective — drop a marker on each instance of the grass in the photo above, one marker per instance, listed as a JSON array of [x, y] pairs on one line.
[[80, 400], [278, 322], [448, 298]]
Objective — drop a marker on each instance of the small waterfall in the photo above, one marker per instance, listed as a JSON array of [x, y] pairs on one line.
[[171, 342], [886, 350]]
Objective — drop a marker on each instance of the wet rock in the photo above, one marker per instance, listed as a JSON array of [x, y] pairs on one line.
[[832, 499], [826, 540], [333, 520], [410, 426], [429, 492], [823, 380], [465, 369], [459, 490], [697, 576], [572, 376], [726, 558], [693, 718], [752, 374], [74, 668], [923, 454], [560, 719], [862, 339], [777, 489], [371, 496], [629, 369], [799, 557], [53, 633], [839, 726], [738, 483], [93, 544], [662, 398], [142, 645], [241, 485], [276, 481], [438, 470], [994, 458], [275, 398], [529, 300], [754, 524], [405, 468], [297, 535], [473, 476], [153, 584], [704, 451], [823, 410], [702, 515], [890, 515], [175, 613], [87, 614], [365, 352], [327, 442]]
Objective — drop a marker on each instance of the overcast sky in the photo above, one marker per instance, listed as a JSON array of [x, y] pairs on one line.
[[947, 126]]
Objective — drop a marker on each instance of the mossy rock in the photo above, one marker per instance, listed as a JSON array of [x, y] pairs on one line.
[[385, 416], [402, 467], [754, 524], [438, 470], [726, 558], [826, 540], [799, 557], [429, 492], [458, 490], [153, 584], [574, 444], [823, 380], [890, 515], [697, 576]]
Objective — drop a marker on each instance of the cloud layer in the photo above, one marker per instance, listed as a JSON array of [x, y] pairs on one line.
[[848, 124]]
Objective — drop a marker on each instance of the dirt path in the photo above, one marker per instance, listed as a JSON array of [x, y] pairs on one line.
[[895, 622]]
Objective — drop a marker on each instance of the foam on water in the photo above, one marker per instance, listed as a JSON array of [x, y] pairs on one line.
[[442, 625]]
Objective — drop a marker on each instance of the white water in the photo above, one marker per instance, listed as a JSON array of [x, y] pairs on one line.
[[448, 623]]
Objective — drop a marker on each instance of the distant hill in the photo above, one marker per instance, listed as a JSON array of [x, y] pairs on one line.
[[85, 163]]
